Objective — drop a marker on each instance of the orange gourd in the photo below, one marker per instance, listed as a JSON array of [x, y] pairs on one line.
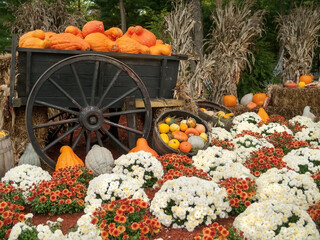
[[259, 98], [306, 78], [100, 42], [33, 42], [251, 105], [200, 128], [229, 100], [263, 114], [185, 147], [161, 49], [68, 158], [142, 145], [68, 41], [129, 45], [192, 131], [74, 30], [181, 136], [35, 34], [92, 27], [143, 36], [113, 33], [48, 35]]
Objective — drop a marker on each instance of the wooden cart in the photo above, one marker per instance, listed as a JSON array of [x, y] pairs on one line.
[[89, 92]]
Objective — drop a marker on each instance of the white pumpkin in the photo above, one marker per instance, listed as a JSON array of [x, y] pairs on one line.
[[29, 157], [246, 99], [99, 160], [197, 142]]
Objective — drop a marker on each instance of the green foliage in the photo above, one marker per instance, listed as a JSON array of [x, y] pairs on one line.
[[262, 71], [157, 26], [29, 234]]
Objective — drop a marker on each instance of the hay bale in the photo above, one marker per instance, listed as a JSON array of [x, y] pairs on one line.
[[5, 63]]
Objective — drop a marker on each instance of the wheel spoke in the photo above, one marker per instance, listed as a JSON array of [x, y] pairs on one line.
[[99, 138], [94, 82], [56, 115], [78, 138], [124, 112], [79, 85], [123, 127], [57, 107], [119, 98], [49, 124], [123, 147], [88, 141], [65, 93], [115, 77], [61, 137]]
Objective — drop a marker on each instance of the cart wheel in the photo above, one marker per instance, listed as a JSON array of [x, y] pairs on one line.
[[87, 92]]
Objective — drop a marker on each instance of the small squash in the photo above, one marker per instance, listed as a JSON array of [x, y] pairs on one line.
[[263, 114], [259, 98], [100, 42], [92, 27], [129, 45], [251, 105], [99, 160], [185, 147], [74, 30], [142, 145], [161, 49], [246, 99], [113, 33], [181, 136], [68, 158], [229, 100], [197, 142], [29, 157], [306, 78], [191, 131], [200, 128]]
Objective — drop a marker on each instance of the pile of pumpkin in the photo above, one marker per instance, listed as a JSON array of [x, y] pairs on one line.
[[93, 36], [185, 135], [250, 100], [304, 81]]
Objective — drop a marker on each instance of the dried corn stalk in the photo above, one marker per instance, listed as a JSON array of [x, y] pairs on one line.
[[298, 35], [180, 25], [233, 35], [39, 14]]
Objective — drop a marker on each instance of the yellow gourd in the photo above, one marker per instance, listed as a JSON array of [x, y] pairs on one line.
[[263, 114], [68, 158]]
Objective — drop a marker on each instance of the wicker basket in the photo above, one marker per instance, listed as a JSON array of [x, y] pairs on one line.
[[214, 121]]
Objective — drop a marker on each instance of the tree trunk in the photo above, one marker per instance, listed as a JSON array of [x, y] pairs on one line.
[[198, 30], [123, 16]]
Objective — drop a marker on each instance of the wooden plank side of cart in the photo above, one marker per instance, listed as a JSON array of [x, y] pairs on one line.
[[158, 73]]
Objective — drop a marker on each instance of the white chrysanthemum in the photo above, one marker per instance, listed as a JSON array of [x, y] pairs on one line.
[[303, 160], [271, 128], [272, 220], [230, 169], [110, 187], [26, 176], [246, 144], [287, 186], [302, 120], [183, 204], [249, 117], [139, 165], [310, 135], [244, 126], [220, 133]]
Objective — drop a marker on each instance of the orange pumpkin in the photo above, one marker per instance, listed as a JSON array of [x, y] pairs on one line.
[[229, 100], [92, 27], [68, 41], [144, 36], [192, 131], [74, 30], [142, 145], [161, 49], [185, 147], [35, 34], [113, 33], [251, 105], [306, 78], [68, 158], [259, 98], [129, 45], [100, 42]]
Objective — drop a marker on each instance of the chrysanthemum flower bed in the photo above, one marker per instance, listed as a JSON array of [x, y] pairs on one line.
[[265, 175]]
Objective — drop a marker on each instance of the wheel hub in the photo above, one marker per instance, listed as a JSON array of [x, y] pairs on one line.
[[91, 118]]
